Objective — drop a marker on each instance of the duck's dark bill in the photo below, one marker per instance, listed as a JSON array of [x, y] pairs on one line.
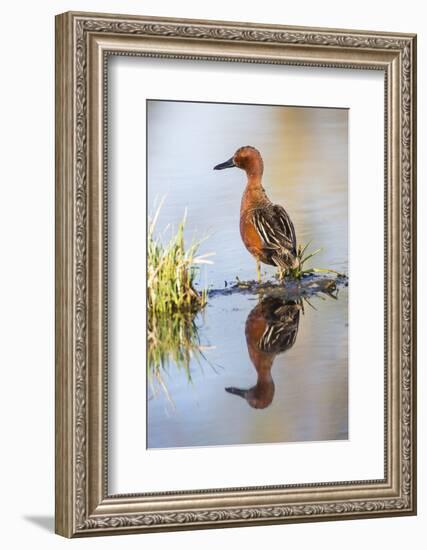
[[237, 391], [227, 164]]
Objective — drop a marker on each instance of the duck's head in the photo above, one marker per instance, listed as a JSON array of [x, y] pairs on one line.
[[259, 396], [247, 158]]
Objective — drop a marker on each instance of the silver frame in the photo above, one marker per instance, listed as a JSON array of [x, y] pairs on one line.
[[83, 43]]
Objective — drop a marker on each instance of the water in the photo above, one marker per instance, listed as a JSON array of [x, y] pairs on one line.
[[302, 391]]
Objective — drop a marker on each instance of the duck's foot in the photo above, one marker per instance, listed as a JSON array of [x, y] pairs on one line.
[[258, 271]]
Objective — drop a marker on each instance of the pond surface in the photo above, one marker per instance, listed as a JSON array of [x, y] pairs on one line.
[[297, 388]]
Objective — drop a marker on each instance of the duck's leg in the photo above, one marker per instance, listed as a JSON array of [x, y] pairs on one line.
[[258, 270]]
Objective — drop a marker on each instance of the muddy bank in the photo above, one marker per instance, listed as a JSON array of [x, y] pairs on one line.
[[291, 289]]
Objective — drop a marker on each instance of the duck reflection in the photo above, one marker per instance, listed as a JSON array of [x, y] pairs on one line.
[[271, 328]]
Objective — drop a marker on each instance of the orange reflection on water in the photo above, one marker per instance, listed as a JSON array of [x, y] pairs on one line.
[[271, 328]]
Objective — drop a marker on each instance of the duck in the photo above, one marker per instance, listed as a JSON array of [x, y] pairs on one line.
[[271, 328], [266, 228]]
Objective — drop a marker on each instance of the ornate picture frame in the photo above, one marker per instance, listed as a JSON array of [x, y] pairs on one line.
[[84, 42]]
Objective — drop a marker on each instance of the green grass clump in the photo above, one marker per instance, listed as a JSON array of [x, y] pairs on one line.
[[171, 273], [303, 256]]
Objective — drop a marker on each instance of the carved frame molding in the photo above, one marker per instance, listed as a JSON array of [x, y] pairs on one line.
[[83, 44]]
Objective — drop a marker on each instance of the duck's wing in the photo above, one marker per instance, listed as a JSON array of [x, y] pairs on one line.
[[275, 227], [280, 336], [285, 224]]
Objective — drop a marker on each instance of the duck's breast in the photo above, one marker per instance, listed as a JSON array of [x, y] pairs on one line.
[[250, 236]]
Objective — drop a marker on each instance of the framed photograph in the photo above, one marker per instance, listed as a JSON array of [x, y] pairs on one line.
[[235, 274]]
